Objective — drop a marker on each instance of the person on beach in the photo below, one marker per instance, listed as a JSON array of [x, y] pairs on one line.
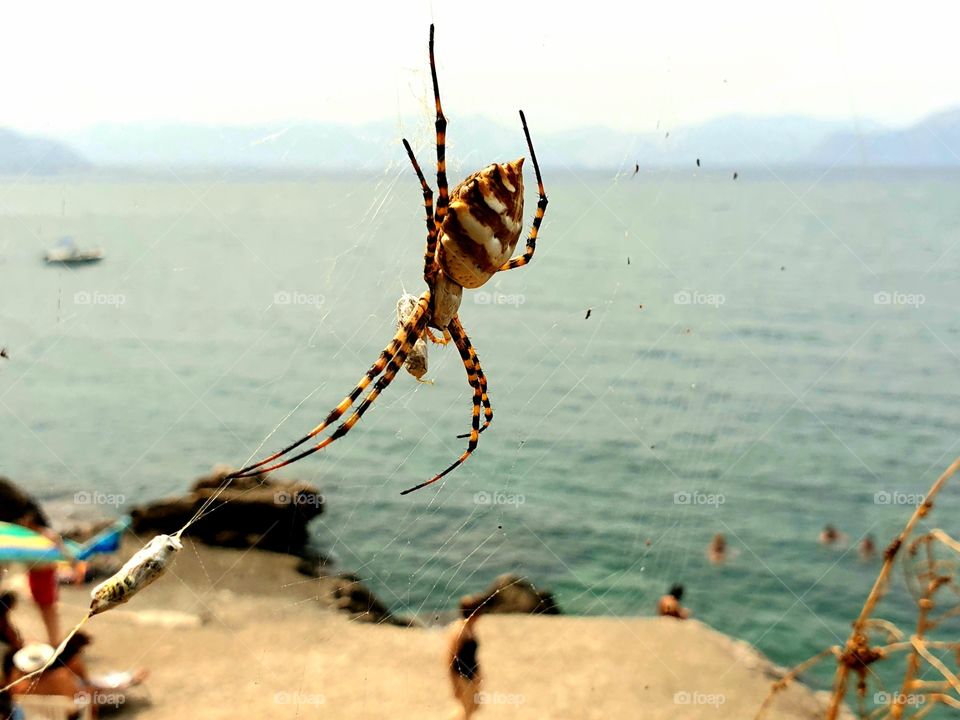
[[8, 709], [55, 680], [72, 659], [10, 637], [717, 551], [44, 584], [462, 661], [669, 605], [21, 509]]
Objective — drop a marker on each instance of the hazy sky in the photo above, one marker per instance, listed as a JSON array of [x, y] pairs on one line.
[[629, 65]]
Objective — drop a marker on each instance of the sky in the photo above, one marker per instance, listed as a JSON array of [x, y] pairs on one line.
[[630, 66]]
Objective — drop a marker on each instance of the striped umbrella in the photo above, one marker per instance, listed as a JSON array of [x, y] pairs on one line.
[[20, 544]]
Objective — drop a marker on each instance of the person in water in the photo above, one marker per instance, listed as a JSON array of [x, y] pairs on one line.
[[868, 547], [669, 605], [830, 535], [462, 661], [717, 552]]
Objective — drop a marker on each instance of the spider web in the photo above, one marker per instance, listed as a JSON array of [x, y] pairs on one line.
[[734, 375]]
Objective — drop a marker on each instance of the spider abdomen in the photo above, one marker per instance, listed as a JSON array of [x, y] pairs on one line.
[[483, 225]]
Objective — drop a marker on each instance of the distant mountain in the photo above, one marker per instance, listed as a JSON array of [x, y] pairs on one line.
[[740, 140], [729, 142], [289, 146], [932, 142], [21, 154], [733, 141], [275, 146]]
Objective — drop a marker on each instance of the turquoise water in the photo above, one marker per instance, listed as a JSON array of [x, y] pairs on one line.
[[782, 397]]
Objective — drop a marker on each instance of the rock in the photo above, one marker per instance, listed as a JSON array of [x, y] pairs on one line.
[[512, 594], [252, 512], [351, 595], [313, 563], [348, 593]]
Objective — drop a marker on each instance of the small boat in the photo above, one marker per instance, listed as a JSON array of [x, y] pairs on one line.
[[67, 253]]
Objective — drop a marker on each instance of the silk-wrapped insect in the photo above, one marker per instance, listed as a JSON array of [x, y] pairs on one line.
[[146, 565], [416, 363]]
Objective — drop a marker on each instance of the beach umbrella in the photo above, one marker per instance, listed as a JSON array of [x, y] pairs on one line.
[[20, 544]]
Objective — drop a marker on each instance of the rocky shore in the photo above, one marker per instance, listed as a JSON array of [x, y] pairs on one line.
[[270, 514], [227, 629], [274, 631]]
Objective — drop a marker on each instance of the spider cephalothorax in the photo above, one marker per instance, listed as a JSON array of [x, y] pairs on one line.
[[471, 235]]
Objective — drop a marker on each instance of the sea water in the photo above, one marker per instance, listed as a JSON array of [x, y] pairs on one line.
[[688, 354]]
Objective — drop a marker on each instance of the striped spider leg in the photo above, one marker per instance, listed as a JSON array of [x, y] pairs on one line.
[[471, 361], [475, 374], [429, 255], [541, 208], [472, 365], [471, 234], [443, 194], [389, 362], [487, 408]]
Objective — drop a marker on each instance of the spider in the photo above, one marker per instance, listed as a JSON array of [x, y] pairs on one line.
[[470, 236]]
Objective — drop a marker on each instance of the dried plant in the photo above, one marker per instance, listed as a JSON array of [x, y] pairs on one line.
[[929, 562]]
